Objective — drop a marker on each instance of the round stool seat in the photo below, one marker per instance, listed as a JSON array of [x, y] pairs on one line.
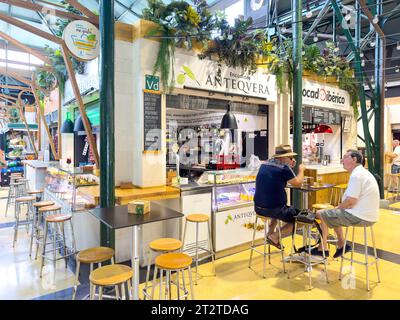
[[165, 244], [22, 180], [50, 208], [58, 217], [341, 186], [16, 184], [43, 204], [25, 199], [197, 217], [111, 275], [95, 255], [262, 217], [173, 261], [35, 191], [322, 206]]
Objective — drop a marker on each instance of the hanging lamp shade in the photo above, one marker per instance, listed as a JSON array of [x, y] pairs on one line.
[[79, 124], [322, 128], [67, 126], [229, 120]]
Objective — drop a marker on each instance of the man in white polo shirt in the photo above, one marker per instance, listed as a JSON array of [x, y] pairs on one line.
[[359, 206]]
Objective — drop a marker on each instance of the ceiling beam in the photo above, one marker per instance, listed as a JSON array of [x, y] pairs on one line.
[[51, 11], [88, 13]]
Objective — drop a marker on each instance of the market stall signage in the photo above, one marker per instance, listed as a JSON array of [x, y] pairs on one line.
[[326, 116], [82, 39], [152, 121], [152, 83], [325, 96], [192, 73]]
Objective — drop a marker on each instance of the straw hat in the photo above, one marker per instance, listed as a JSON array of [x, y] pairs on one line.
[[283, 150]]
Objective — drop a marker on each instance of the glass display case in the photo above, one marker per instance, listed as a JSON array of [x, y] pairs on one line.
[[63, 184], [231, 188]]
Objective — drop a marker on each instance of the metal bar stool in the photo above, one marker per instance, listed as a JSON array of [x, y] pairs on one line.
[[111, 275], [173, 262], [265, 243], [14, 191], [37, 193], [366, 263], [163, 245], [200, 218], [36, 235], [393, 184], [58, 223], [306, 257], [25, 184], [20, 201], [92, 256]]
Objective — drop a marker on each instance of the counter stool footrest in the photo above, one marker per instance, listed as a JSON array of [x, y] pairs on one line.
[[374, 261]]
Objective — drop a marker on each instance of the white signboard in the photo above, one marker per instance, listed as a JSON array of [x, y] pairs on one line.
[[82, 39], [235, 227], [325, 96], [193, 73]]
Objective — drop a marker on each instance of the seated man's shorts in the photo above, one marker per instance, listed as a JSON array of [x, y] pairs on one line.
[[341, 218], [285, 213]]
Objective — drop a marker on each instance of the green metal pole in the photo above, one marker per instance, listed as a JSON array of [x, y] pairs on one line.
[[297, 88], [107, 163], [379, 102], [361, 92]]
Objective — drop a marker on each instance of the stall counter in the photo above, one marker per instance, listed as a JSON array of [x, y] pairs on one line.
[[333, 174], [35, 171]]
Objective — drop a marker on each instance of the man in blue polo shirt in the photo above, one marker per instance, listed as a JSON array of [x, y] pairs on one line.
[[270, 198]]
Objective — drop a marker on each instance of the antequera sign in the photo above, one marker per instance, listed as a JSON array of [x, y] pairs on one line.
[[190, 72]]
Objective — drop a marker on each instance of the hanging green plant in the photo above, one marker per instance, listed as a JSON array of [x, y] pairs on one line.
[[179, 26]]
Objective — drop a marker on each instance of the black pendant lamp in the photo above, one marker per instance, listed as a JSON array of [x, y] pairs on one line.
[[229, 120], [79, 124], [67, 126]]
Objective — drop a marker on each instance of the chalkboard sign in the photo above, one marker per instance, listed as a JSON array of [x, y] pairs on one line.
[[321, 116], [152, 121], [307, 114]]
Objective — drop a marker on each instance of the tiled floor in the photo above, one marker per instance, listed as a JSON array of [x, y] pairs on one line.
[[19, 274]]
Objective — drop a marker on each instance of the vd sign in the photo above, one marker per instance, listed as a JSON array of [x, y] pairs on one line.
[[152, 83]]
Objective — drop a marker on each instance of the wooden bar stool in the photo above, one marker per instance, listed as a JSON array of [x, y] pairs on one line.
[[37, 193], [14, 176], [112, 275], [198, 218], [20, 201], [58, 223], [36, 225], [365, 263], [163, 245], [337, 193], [173, 262], [14, 191], [25, 184], [91, 256], [265, 243]]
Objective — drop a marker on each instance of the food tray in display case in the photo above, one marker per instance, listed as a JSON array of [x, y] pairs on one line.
[[231, 188], [63, 185]]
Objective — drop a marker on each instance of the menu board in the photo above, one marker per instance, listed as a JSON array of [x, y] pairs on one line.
[[334, 117], [307, 114], [326, 116], [152, 121]]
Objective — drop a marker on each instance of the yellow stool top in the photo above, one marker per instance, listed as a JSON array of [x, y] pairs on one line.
[[50, 208], [35, 191], [111, 275], [262, 217], [173, 261], [341, 186], [395, 205], [197, 217], [165, 244], [25, 199], [58, 217], [322, 206], [43, 204], [95, 255]]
